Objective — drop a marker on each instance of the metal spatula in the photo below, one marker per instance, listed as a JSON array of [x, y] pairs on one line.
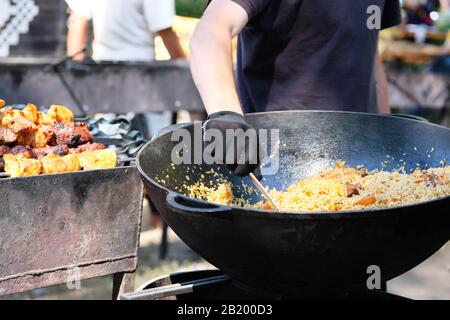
[[263, 190]]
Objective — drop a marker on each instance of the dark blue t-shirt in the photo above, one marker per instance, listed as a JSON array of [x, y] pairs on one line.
[[310, 54]]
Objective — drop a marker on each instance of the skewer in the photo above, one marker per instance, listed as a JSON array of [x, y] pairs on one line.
[[263, 190], [175, 289]]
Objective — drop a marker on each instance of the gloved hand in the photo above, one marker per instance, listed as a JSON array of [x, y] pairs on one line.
[[245, 158]]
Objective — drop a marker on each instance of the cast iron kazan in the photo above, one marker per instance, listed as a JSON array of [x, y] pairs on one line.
[[293, 253]]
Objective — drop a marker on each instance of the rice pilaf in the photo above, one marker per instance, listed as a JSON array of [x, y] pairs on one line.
[[343, 188]]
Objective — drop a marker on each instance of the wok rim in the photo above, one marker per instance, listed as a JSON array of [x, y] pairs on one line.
[[299, 214], [366, 114]]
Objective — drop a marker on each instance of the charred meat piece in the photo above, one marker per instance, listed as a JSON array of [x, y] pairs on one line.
[[26, 151], [352, 189], [45, 136], [72, 134], [63, 149], [24, 129], [88, 147], [363, 172], [82, 130], [42, 152], [30, 112], [20, 124], [4, 150], [7, 135], [60, 150], [431, 178]]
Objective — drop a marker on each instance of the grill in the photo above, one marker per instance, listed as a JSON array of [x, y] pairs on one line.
[[74, 226]]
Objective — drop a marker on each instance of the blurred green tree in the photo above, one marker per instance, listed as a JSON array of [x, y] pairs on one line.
[[191, 8]]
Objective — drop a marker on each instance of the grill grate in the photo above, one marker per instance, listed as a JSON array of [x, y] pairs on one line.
[[117, 134]]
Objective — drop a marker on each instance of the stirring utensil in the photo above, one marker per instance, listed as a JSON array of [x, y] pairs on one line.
[[263, 190]]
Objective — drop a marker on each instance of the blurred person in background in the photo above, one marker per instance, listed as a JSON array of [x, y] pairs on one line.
[[445, 5], [124, 30], [418, 11]]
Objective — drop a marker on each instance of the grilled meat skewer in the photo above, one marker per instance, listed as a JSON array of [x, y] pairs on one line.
[[32, 142], [7, 136], [62, 150]]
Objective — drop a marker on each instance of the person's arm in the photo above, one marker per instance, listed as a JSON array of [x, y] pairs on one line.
[[77, 35], [211, 55], [381, 86], [172, 43], [445, 4]]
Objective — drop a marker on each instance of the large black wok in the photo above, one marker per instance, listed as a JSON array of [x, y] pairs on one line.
[[295, 253]]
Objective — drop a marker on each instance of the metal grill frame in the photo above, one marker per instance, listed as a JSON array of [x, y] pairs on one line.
[[84, 223]]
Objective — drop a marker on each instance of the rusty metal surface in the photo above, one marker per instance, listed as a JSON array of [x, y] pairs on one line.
[[107, 87], [52, 224], [40, 280]]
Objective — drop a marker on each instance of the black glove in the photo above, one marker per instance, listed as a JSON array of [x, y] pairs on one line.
[[243, 159]]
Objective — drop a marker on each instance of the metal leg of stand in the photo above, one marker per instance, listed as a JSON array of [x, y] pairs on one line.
[[164, 246], [123, 282]]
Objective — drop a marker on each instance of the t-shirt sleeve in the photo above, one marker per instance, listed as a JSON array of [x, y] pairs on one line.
[[391, 14], [159, 14], [81, 7], [252, 7]]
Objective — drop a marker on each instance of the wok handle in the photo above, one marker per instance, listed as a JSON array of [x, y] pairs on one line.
[[181, 204]]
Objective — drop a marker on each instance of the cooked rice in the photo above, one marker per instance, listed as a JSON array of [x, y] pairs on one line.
[[329, 190]]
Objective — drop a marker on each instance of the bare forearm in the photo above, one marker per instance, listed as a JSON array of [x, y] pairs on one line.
[[172, 43], [77, 36], [212, 69], [382, 87], [211, 55]]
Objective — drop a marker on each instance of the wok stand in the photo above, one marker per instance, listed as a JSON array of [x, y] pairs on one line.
[[216, 285]]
